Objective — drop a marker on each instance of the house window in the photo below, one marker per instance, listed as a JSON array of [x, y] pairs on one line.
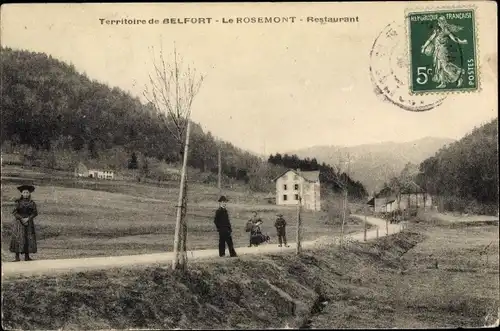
[[285, 197], [296, 197], [296, 187], [284, 187]]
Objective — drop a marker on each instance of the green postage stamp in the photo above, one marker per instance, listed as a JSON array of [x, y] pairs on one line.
[[442, 47]]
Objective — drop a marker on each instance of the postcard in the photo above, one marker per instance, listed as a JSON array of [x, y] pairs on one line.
[[249, 165]]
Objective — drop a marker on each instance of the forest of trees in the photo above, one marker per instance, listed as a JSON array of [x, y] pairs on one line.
[[465, 173], [49, 106], [462, 176], [329, 176]]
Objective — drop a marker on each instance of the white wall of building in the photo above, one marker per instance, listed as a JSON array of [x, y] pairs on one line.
[[288, 189], [100, 174], [290, 186]]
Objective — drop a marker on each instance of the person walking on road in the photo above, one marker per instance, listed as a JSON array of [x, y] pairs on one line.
[[223, 226], [23, 233], [280, 225]]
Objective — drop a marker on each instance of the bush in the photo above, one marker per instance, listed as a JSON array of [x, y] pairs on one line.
[[467, 206], [334, 211]]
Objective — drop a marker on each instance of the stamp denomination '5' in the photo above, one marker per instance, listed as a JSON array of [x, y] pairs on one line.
[[443, 51]]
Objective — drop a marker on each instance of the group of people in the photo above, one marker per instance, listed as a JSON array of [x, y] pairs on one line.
[[257, 237], [23, 240], [253, 226]]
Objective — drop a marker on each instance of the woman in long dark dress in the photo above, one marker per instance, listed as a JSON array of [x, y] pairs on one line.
[[256, 235], [23, 233]]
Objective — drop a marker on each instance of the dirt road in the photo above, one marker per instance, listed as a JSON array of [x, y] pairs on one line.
[[51, 267]]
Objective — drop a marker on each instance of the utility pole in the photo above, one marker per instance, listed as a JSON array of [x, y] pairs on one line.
[[219, 180], [344, 211], [299, 219], [385, 200], [364, 225], [299, 226], [387, 227]]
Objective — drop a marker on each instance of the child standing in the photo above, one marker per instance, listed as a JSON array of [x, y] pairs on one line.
[[280, 225]]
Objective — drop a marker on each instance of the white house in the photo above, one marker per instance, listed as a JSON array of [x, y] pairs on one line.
[[294, 183], [411, 198], [391, 205], [101, 174]]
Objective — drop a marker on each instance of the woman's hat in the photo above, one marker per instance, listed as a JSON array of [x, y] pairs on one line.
[[222, 199], [30, 188]]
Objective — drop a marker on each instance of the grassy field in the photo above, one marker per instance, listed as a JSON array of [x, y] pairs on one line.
[[449, 279], [391, 283], [84, 217]]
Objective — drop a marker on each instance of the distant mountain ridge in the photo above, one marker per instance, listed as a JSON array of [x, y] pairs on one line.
[[373, 164]]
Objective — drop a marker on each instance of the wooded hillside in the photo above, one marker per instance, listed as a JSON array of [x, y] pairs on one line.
[[466, 172], [51, 111], [48, 105]]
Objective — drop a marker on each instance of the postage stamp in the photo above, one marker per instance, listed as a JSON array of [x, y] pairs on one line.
[[442, 51]]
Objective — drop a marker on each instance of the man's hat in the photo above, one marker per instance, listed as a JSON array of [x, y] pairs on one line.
[[222, 199], [30, 188]]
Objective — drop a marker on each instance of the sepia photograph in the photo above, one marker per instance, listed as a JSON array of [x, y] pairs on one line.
[[287, 165]]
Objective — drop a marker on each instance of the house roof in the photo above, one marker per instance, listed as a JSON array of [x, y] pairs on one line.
[[410, 188], [310, 176]]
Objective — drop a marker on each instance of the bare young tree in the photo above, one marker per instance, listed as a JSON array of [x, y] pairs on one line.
[[344, 185], [171, 91]]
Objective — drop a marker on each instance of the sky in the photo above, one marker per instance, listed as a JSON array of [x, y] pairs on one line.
[[268, 87]]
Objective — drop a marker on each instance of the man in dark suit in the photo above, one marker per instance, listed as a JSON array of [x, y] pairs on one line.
[[223, 225]]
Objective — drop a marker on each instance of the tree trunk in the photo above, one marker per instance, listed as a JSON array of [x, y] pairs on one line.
[[181, 207], [364, 226], [344, 210], [183, 239]]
